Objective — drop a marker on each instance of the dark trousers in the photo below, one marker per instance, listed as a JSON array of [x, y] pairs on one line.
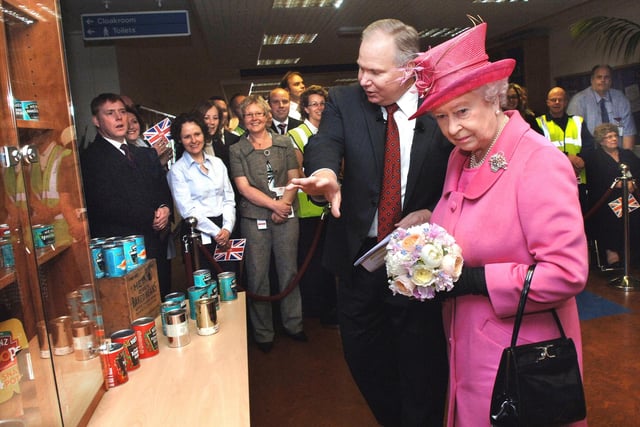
[[395, 349]]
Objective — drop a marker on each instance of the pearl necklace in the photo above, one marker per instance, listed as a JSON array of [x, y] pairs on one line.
[[473, 163]]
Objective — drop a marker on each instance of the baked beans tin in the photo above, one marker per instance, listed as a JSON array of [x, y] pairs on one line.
[[97, 259], [202, 278], [114, 262], [227, 286], [141, 251], [84, 342], [6, 253], [130, 252], [43, 235], [195, 293], [127, 337], [61, 334], [74, 299], [146, 336], [166, 307], [178, 297], [86, 292], [206, 316], [177, 328], [30, 110], [114, 364]]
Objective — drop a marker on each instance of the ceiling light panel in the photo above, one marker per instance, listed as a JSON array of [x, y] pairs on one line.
[[278, 61], [441, 32], [500, 1], [285, 39], [289, 4]]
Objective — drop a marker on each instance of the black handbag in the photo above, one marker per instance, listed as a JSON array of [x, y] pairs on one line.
[[537, 384]]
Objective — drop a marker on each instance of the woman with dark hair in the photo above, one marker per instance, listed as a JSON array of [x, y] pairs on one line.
[[200, 183], [135, 127], [218, 139], [518, 99], [603, 167]]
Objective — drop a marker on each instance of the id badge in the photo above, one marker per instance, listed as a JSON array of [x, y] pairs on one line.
[[262, 224]]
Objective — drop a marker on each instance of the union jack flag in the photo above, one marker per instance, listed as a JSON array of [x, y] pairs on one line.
[[616, 205], [234, 253], [158, 131]]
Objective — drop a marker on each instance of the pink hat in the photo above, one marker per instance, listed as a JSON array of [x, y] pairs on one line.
[[456, 67]]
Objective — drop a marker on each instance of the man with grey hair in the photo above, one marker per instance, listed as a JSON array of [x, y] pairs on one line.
[[394, 346]]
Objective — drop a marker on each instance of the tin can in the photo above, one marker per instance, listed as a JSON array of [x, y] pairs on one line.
[[43, 235], [30, 110], [43, 339], [141, 251], [206, 316], [89, 311], [5, 230], [146, 337], [114, 262], [130, 252], [6, 251], [74, 300], [227, 286], [202, 278], [115, 367], [84, 342], [178, 297], [62, 338], [86, 292], [166, 307], [97, 259], [195, 293], [177, 328], [127, 337]]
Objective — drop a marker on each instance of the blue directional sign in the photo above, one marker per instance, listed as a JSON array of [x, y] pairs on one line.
[[106, 26]]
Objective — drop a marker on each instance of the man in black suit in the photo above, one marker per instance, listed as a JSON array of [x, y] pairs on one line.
[[394, 346], [126, 193], [279, 102]]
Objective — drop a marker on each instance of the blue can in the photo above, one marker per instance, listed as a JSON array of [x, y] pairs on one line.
[[43, 235], [130, 252], [97, 259], [166, 307], [195, 293], [178, 297], [202, 278], [227, 288], [114, 262], [8, 261], [140, 248]]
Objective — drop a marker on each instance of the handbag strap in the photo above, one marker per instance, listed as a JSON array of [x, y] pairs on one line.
[[523, 302]]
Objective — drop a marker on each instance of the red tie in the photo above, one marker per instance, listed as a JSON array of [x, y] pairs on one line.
[[390, 205]]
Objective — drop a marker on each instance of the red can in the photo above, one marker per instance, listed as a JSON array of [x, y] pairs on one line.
[[147, 336], [114, 364], [127, 337]]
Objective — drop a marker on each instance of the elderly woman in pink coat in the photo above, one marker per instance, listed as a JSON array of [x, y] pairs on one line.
[[510, 200]]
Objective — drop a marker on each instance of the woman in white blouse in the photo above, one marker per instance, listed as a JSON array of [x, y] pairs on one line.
[[200, 183]]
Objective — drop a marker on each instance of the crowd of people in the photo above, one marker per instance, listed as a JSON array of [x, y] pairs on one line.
[[435, 137]]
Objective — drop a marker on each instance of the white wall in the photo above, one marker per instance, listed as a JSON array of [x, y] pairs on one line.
[[570, 57], [92, 71]]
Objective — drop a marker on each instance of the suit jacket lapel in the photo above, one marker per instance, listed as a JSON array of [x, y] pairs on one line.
[[376, 128]]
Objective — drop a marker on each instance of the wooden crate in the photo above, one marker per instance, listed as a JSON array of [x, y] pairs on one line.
[[127, 298]]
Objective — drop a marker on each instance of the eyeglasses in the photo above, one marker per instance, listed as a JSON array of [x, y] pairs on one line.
[[252, 115], [316, 104]]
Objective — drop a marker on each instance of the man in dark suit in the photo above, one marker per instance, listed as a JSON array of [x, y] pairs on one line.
[[394, 346], [279, 102], [126, 193]]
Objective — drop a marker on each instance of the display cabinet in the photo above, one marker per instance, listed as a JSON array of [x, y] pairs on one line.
[[50, 372]]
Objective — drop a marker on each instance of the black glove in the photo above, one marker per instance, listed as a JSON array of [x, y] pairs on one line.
[[471, 282]]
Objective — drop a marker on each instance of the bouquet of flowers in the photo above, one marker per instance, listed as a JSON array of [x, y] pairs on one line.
[[422, 260]]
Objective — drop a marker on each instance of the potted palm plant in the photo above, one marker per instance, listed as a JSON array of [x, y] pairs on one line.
[[613, 36]]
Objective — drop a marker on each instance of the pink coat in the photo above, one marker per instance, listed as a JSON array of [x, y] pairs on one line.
[[506, 221]]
